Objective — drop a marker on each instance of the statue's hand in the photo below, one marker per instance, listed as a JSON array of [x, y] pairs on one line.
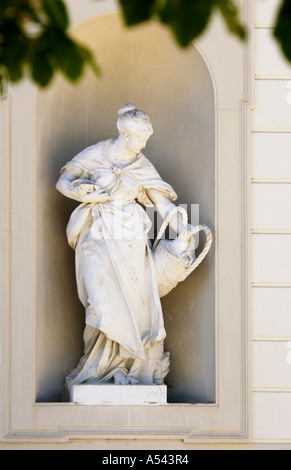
[[81, 187], [183, 240], [97, 196], [184, 244]]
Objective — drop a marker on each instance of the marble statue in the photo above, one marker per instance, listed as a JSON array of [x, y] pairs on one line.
[[116, 267]]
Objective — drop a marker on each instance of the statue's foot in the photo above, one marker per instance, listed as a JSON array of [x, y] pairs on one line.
[[158, 381], [133, 381], [122, 378]]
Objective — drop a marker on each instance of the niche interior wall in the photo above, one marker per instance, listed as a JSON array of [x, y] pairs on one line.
[[144, 66]]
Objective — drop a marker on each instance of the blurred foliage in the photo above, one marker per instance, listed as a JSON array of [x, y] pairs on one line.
[[186, 18], [35, 39], [282, 30], [35, 42]]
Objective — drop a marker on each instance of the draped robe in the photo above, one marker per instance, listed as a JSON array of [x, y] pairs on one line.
[[115, 272]]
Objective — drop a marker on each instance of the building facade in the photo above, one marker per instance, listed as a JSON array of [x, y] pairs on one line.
[[222, 134]]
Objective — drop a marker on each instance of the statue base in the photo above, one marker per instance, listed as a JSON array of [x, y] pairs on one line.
[[90, 394]]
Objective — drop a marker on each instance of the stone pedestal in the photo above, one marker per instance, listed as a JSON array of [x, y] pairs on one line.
[[90, 394]]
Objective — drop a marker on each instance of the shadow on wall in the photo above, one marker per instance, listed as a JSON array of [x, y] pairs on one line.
[[174, 87]]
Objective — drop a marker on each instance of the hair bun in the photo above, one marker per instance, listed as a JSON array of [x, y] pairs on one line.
[[126, 108]]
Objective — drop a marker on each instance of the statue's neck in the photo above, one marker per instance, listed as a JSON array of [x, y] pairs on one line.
[[120, 155]]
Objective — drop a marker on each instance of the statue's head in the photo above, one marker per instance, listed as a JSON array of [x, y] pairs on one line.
[[134, 126]]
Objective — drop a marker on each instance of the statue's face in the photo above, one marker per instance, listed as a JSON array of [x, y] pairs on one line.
[[135, 143]]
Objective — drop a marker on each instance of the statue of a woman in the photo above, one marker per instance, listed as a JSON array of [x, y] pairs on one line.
[[114, 263]]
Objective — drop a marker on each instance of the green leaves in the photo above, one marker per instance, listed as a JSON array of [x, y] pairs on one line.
[[57, 13], [137, 11], [13, 47], [41, 69], [187, 19], [230, 14], [283, 28], [34, 37], [34, 41], [65, 54]]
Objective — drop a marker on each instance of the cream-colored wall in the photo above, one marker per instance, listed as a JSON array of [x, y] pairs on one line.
[[269, 180], [271, 233]]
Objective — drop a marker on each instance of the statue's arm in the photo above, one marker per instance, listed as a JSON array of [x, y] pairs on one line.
[[71, 174], [164, 206], [64, 181]]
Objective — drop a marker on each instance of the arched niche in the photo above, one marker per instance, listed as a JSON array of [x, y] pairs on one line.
[[144, 66]]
